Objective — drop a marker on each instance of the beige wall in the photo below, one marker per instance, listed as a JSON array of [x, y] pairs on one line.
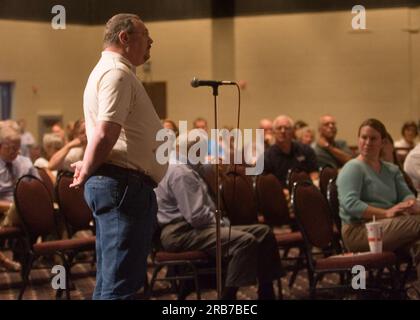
[[182, 50], [49, 68], [303, 65]]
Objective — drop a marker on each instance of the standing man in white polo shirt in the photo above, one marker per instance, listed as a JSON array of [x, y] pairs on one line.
[[119, 168]]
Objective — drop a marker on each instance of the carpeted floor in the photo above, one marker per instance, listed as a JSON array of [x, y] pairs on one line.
[[83, 275]]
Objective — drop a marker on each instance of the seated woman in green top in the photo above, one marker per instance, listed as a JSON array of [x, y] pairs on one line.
[[369, 187]]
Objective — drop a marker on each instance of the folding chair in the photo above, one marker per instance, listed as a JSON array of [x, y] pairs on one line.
[[273, 205], [325, 175], [35, 208], [315, 221], [296, 175], [185, 265]]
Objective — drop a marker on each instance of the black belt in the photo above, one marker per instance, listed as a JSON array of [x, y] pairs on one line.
[[112, 170]]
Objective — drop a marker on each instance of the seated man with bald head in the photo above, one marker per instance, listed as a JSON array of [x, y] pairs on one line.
[[256, 150], [267, 126], [287, 154], [330, 152]]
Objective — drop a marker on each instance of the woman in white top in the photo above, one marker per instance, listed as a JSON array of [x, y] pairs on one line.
[[409, 132]]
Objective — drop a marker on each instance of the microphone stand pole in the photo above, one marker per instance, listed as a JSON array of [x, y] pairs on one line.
[[218, 213]]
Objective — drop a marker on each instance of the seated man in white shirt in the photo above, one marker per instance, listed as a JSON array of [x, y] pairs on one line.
[[186, 215], [12, 167]]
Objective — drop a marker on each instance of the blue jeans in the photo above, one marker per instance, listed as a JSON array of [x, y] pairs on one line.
[[125, 208]]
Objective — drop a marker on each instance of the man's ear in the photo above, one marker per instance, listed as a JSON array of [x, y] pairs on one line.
[[123, 36]]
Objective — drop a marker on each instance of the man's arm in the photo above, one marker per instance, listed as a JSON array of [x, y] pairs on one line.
[[311, 163], [98, 148], [191, 200], [341, 156]]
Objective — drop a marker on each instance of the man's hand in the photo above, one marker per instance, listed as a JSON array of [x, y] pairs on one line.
[[79, 177], [323, 143]]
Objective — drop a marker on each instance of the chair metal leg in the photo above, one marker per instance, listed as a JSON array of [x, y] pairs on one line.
[[197, 286], [312, 285], [152, 281], [298, 266], [67, 266], [27, 266], [146, 284], [405, 274], [280, 289], [397, 286]]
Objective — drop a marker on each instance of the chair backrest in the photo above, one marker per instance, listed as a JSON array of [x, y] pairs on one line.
[[271, 200], [296, 175], [332, 197], [325, 175], [238, 198], [35, 207], [313, 215], [73, 207], [401, 154], [409, 183], [208, 173], [47, 181]]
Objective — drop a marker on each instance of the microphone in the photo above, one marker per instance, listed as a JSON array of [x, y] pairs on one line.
[[195, 83]]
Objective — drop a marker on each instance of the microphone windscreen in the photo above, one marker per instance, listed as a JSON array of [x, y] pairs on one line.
[[195, 82]]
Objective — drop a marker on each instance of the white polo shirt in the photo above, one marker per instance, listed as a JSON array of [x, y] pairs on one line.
[[114, 93]]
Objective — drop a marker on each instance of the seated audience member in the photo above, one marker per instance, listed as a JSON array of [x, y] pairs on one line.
[[369, 187], [52, 143], [70, 130], [409, 132], [201, 123], [255, 150], [57, 128], [299, 124], [35, 152], [186, 215], [388, 154], [27, 139], [287, 154], [169, 124], [305, 135], [12, 167], [388, 151], [331, 152], [72, 151], [412, 168], [267, 126]]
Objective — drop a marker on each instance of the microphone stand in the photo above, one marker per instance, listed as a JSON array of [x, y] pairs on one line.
[[218, 213]]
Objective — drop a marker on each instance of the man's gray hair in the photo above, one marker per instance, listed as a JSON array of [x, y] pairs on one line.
[[52, 140], [9, 130], [119, 22], [282, 117]]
